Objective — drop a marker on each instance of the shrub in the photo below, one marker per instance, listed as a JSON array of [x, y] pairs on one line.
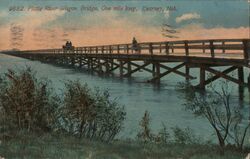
[[184, 136], [26, 102], [145, 133], [91, 114], [163, 135], [228, 121]]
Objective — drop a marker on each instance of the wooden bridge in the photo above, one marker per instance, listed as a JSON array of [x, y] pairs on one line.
[[154, 57]]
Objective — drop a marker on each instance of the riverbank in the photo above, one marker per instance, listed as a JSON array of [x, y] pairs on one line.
[[55, 146]]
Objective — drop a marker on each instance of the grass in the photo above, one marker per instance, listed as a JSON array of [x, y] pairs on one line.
[[55, 146]]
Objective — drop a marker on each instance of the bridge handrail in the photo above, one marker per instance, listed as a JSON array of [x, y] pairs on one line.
[[167, 47]]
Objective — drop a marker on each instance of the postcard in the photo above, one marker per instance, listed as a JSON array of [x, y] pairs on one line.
[[125, 79]]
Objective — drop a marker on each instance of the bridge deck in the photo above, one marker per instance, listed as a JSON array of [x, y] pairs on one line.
[[213, 51], [204, 54]]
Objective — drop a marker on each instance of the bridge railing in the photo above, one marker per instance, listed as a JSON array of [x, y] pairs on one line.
[[228, 48]]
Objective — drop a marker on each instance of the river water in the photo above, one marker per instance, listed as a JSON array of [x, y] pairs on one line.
[[164, 102]]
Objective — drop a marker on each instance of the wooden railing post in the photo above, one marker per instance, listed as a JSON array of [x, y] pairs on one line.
[[212, 48], [223, 45], [203, 46], [167, 48], [110, 49], [127, 48], [102, 49], [118, 49], [186, 48], [160, 48], [246, 49], [150, 48]]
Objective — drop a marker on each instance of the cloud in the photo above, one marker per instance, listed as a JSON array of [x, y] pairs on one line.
[[166, 13], [36, 19], [113, 30], [18, 31], [3, 14], [187, 16], [198, 31]]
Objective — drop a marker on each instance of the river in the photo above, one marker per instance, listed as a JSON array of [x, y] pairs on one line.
[[164, 102]]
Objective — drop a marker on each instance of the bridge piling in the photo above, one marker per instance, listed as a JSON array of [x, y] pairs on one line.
[[107, 66], [187, 70], [129, 69], [202, 84], [241, 79], [153, 70], [157, 73], [121, 68]]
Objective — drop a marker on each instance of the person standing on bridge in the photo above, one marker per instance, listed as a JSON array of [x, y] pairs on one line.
[[134, 45]]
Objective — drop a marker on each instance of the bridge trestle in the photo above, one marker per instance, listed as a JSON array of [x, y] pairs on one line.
[[157, 58]]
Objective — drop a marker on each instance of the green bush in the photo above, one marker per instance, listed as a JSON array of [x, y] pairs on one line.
[[26, 103], [91, 114], [184, 136]]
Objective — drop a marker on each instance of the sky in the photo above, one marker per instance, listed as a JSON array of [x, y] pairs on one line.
[[40, 24]]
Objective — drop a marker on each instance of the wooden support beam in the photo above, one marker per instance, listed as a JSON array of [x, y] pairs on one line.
[[158, 72], [144, 68], [211, 79], [114, 68], [241, 79], [202, 78], [107, 66], [73, 61], [92, 63], [99, 65], [89, 63], [118, 66], [178, 72], [225, 76], [129, 73], [246, 49], [241, 74], [121, 68], [111, 63], [80, 62], [129, 69], [187, 72], [153, 70], [166, 73]]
